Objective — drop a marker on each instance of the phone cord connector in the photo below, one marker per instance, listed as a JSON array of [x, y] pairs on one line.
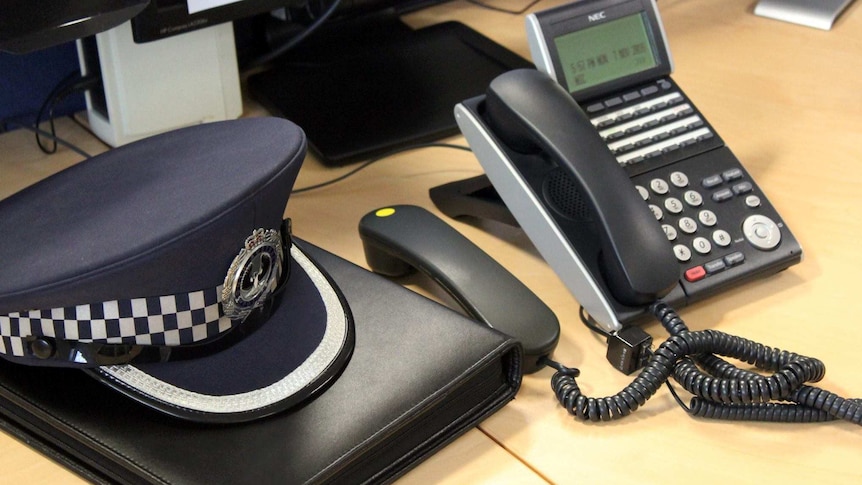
[[721, 390]]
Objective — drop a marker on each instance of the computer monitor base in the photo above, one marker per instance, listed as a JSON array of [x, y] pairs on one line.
[[820, 14]]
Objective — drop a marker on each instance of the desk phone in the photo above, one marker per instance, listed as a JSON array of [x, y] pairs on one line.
[[611, 56]]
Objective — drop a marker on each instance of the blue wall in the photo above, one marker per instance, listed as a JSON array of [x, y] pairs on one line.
[[27, 80]]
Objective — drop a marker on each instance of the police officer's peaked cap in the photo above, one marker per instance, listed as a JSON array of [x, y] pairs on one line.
[[165, 269]]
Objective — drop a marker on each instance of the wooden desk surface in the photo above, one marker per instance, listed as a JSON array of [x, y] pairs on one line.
[[786, 100]]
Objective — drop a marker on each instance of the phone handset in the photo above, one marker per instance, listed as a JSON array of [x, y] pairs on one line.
[[526, 130]]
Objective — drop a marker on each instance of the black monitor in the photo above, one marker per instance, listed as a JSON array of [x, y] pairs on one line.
[[366, 83], [30, 25], [363, 83], [166, 18]]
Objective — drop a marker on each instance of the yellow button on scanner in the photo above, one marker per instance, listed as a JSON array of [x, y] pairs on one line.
[[385, 212]]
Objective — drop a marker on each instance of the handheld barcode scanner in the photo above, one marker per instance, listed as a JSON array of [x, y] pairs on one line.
[[164, 269]]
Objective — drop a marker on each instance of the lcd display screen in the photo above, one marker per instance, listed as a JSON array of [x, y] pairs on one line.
[[605, 52]]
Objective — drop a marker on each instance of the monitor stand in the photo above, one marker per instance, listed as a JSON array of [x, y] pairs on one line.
[[371, 85], [820, 14]]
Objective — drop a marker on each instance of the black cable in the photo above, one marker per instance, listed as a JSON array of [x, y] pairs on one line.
[[69, 85], [86, 127], [498, 9], [296, 39], [722, 391], [368, 163], [61, 85], [53, 137], [590, 323]]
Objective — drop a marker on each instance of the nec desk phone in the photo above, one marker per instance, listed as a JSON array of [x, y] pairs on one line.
[[637, 204], [612, 58]]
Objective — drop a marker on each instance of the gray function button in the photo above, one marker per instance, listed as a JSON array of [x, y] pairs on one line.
[[631, 96], [616, 101], [712, 181], [732, 174], [595, 108], [722, 195], [733, 259], [649, 90], [670, 148], [742, 188], [761, 232], [715, 266], [752, 201]]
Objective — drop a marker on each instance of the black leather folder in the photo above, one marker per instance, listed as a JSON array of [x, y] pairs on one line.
[[420, 375]]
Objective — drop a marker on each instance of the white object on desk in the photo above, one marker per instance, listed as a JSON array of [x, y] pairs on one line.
[[820, 14], [163, 85]]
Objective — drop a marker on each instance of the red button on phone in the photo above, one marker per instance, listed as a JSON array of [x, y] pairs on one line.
[[694, 274]]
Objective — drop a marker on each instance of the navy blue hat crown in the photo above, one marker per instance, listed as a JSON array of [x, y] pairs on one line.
[[166, 243]]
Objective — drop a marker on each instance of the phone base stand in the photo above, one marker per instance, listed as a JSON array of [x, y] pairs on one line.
[[473, 197]]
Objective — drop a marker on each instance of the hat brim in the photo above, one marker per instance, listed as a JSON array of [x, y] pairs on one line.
[[302, 346]]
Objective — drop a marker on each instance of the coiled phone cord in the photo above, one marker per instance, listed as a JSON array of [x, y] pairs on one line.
[[721, 390]]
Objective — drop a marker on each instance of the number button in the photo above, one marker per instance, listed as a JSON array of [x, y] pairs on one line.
[[707, 218], [656, 212], [701, 245], [643, 192], [687, 225], [659, 186], [679, 179], [693, 198], [669, 231], [673, 205]]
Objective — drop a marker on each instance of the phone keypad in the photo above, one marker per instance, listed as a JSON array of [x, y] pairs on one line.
[[687, 210]]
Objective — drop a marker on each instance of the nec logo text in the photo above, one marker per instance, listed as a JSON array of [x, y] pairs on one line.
[[596, 16]]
